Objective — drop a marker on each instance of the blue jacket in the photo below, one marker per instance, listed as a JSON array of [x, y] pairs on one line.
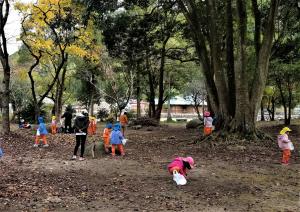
[[42, 126], [116, 136]]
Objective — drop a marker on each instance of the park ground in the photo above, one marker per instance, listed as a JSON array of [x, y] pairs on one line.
[[229, 176]]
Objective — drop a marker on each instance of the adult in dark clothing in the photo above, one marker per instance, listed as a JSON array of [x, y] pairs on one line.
[[68, 120], [80, 126]]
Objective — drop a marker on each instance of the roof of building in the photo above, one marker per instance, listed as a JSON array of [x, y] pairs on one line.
[[178, 100]]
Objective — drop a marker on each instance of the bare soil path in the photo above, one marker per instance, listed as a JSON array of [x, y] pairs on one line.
[[236, 178]]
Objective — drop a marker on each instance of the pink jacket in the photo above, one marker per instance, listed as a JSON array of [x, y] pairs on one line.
[[283, 141], [177, 163]]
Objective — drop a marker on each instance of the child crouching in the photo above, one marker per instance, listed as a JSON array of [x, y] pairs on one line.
[[180, 165]]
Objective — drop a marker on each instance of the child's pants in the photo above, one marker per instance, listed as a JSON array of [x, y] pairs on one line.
[[38, 137], [120, 147], [106, 143], [80, 141], [207, 130], [286, 156], [53, 129]]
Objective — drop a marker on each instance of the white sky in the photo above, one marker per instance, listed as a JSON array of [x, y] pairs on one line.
[[13, 28]]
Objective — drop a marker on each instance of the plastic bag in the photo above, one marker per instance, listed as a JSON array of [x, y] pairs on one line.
[[38, 133], [124, 141], [291, 146], [179, 178]]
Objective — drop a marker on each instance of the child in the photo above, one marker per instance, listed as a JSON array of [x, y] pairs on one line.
[[92, 126], [41, 133], [116, 138], [124, 122], [81, 125], [106, 136], [207, 123], [180, 165], [285, 145], [53, 125]]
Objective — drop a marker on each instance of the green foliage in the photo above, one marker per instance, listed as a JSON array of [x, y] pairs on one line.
[[28, 113], [102, 114]]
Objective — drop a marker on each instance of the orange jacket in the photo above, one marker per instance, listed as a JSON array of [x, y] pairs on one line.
[[123, 119]]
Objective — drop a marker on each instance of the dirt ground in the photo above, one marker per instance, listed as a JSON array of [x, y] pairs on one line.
[[241, 177]]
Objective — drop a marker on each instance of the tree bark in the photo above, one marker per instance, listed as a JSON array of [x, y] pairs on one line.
[[60, 90], [161, 80], [4, 5], [138, 93], [262, 113]]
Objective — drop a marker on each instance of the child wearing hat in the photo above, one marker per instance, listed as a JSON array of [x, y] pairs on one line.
[[53, 125], [106, 136], [285, 145], [181, 165], [41, 133], [208, 120], [116, 138]]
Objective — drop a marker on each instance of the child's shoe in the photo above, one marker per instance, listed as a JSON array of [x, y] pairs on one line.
[[46, 145], [81, 158], [74, 157], [35, 145]]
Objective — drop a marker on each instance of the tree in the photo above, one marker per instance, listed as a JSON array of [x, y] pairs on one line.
[[195, 93], [234, 91], [286, 78], [52, 31], [4, 12]]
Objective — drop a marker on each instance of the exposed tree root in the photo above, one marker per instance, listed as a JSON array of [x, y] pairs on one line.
[[224, 138]]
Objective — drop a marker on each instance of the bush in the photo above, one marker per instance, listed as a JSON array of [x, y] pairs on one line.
[[145, 121], [193, 124], [28, 113], [102, 114]]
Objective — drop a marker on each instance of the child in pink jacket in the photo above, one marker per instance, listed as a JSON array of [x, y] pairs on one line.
[[285, 145], [180, 165]]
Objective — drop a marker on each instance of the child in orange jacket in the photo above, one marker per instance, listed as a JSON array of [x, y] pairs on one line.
[[285, 145], [92, 126], [106, 137], [123, 121], [53, 125]]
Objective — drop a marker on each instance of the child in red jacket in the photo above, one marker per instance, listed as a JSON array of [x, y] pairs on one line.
[[178, 168]]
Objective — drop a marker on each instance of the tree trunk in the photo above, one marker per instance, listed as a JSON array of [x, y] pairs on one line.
[[4, 9], [151, 89], [138, 93], [6, 95], [161, 80], [262, 113]]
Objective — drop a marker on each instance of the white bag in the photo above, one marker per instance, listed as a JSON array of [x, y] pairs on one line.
[[38, 133], [291, 146], [179, 178], [124, 141]]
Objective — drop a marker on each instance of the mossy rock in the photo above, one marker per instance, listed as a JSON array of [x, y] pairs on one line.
[[193, 124]]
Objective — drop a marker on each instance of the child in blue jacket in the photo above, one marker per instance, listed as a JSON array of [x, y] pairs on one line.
[[41, 133], [116, 138]]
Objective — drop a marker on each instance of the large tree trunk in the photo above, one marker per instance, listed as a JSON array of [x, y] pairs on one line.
[[6, 95], [247, 94], [4, 9]]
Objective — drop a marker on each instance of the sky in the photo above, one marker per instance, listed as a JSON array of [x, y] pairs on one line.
[[13, 29]]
